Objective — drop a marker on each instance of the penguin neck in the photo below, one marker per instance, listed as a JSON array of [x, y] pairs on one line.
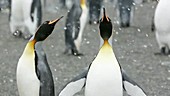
[[83, 4], [106, 48], [29, 49], [102, 41], [106, 53]]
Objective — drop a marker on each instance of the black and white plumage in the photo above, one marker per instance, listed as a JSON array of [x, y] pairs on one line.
[[104, 77], [75, 24], [34, 77], [162, 26], [25, 17], [44, 72], [79, 82]]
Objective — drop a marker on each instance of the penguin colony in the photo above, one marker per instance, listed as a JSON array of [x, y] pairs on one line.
[[33, 61], [104, 77]]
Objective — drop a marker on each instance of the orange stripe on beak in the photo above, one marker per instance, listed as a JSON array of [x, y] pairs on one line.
[[55, 21]]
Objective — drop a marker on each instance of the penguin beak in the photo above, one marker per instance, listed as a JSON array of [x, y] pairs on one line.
[[53, 22], [104, 16]]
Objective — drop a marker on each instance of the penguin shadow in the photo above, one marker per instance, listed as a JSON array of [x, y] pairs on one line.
[[130, 26], [64, 55], [163, 52], [152, 25], [72, 54]]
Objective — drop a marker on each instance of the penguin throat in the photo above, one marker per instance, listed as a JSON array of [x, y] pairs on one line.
[[106, 48], [106, 44], [29, 49], [83, 3]]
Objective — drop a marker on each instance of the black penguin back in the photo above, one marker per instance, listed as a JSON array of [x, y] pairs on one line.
[[43, 72]]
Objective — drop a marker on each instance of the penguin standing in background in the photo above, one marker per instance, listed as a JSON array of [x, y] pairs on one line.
[[75, 24], [104, 77], [34, 77], [162, 26], [125, 12], [94, 11], [25, 17]]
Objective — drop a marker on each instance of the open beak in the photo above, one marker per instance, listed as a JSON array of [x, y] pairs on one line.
[[55, 21]]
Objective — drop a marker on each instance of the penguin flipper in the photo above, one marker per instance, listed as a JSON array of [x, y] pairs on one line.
[[75, 85], [43, 71], [131, 87]]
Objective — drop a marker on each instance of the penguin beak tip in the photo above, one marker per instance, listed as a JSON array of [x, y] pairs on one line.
[[55, 21]]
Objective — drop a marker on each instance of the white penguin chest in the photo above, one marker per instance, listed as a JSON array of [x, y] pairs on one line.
[[83, 20], [27, 82], [104, 77], [162, 16], [84, 15]]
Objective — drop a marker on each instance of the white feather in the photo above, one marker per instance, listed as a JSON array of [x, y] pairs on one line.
[[133, 90], [27, 82], [104, 77], [161, 20], [72, 88]]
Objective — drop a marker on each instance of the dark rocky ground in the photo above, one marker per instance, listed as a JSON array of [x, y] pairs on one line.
[[134, 48]]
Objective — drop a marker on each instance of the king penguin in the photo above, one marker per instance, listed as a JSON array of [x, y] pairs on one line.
[[75, 24], [94, 11], [105, 67], [125, 12], [34, 77], [104, 76], [25, 17], [162, 26]]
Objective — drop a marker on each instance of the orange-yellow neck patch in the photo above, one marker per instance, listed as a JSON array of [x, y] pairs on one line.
[[29, 49], [83, 3]]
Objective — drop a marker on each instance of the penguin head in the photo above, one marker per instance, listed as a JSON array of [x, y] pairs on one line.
[[105, 26], [45, 30]]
